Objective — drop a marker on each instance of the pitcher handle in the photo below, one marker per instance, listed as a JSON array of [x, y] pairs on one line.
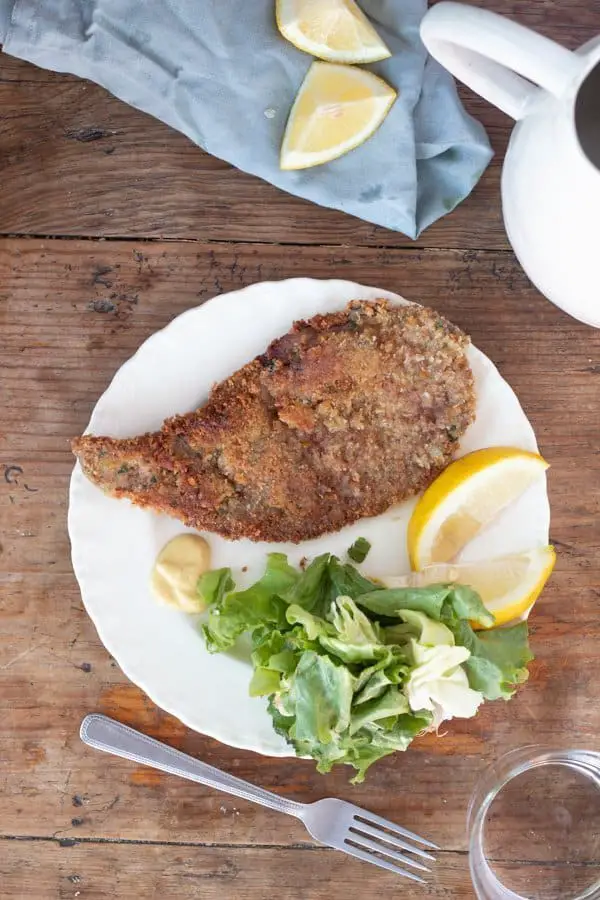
[[486, 51]]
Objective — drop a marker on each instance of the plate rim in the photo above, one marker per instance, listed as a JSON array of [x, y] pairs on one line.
[[77, 477]]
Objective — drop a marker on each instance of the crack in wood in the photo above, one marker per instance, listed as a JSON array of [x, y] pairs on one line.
[[89, 134]]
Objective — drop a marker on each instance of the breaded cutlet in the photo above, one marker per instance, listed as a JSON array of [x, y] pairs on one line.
[[343, 416]]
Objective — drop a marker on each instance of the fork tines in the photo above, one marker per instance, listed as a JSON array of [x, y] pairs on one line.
[[389, 839]]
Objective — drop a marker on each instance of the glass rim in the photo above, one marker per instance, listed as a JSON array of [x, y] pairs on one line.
[[495, 777]]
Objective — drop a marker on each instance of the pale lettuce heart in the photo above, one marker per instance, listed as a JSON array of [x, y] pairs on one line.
[[429, 633], [438, 682]]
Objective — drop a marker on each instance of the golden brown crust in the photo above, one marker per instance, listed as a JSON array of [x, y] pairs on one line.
[[340, 418]]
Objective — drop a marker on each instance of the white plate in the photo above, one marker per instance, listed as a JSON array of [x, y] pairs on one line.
[[114, 544]]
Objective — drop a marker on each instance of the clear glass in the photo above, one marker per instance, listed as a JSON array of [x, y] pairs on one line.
[[534, 827]]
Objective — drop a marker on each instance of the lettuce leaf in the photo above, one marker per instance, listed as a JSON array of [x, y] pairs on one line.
[[388, 602], [355, 638], [319, 698], [378, 739], [427, 631], [359, 550], [314, 626], [375, 685], [311, 591], [464, 603], [354, 671], [231, 614], [440, 684], [498, 660], [264, 682], [281, 723], [391, 703], [441, 602], [346, 581], [214, 585]]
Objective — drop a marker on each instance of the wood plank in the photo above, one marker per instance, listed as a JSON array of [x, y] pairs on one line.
[[78, 162], [46, 871], [71, 312]]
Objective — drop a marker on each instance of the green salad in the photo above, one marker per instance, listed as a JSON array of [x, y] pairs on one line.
[[353, 671]]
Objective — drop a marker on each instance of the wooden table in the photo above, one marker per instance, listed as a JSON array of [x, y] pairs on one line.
[[112, 225]]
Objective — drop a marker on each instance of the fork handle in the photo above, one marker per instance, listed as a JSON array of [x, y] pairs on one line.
[[110, 736]]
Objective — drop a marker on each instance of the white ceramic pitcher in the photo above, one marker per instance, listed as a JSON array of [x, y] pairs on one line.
[[551, 176]]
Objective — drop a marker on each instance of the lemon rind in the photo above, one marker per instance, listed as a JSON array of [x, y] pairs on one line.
[[309, 160], [457, 479], [298, 39]]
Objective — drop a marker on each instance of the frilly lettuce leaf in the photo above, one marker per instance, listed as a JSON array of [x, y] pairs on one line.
[[232, 614], [346, 581], [375, 685], [439, 684], [314, 626], [351, 624], [387, 602], [378, 739], [465, 603], [355, 638], [441, 602], [354, 671], [311, 591], [391, 703], [320, 698], [426, 630], [264, 682], [498, 658], [213, 586]]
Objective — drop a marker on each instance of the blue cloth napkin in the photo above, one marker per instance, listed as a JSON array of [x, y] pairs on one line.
[[220, 72]]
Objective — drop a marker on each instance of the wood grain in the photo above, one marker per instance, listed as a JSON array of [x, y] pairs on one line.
[[75, 161], [47, 871], [71, 312]]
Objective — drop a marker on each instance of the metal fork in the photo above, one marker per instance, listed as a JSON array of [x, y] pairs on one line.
[[334, 823]]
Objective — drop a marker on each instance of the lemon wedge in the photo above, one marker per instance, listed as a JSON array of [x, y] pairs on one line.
[[334, 30], [337, 109], [508, 586], [465, 498]]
